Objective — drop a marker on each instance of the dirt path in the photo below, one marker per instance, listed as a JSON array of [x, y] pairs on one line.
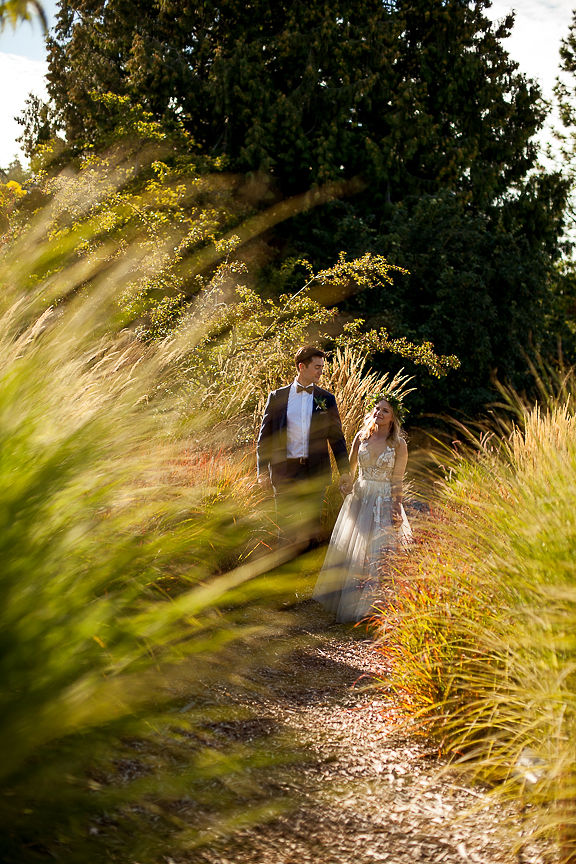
[[366, 793]]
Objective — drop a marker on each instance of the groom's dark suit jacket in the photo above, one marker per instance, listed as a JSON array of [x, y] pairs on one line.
[[325, 430]]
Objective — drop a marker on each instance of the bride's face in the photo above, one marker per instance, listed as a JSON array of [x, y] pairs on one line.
[[383, 414]]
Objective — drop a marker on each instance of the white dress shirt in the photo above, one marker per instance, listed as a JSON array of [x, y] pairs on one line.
[[298, 417]]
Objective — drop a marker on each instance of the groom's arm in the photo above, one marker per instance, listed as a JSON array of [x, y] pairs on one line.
[[264, 444], [336, 439]]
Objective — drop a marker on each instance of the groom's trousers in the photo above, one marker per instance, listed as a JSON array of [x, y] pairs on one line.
[[299, 495]]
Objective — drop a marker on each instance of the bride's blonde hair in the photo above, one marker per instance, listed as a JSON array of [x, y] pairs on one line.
[[396, 433]]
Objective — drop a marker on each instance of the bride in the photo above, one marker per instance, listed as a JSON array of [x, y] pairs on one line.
[[372, 522]]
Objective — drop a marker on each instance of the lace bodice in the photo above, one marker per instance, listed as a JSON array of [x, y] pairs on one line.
[[379, 469]]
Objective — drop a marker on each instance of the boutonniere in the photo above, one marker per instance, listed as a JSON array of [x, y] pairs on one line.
[[320, 404]]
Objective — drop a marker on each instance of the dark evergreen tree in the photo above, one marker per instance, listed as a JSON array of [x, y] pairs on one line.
[[417, 98], [562, 321]]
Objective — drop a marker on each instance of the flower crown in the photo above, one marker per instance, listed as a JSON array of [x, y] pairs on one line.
[[393, 400]]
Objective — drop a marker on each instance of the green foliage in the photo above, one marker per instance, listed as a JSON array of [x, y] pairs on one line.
[[482, 630], [250, 348], [445, 186], [562, 323], [131, 558], [11, 193], [484, 285], [15, 11], [561, 320], [308, 93], [241, 79], [198, 273], [133, 353], [15, 171], [565, 92]]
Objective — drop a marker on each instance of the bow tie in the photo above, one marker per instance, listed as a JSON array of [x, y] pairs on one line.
[[300, 388]]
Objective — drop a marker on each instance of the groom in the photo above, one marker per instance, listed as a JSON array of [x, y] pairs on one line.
[[300, 422]]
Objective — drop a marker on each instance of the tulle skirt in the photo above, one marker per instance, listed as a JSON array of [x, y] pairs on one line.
[[362, 543]]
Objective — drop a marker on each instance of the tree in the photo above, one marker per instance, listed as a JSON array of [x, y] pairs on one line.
[[565, 92], [14, 11], [562, 323], [419, 100], [463, 205], [272, 88], [310, 91]]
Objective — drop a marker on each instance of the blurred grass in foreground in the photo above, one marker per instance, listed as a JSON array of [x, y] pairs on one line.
[[133, 588], [483, 627]]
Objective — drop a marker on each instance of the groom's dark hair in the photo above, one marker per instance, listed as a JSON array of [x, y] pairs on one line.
[[306, 353]]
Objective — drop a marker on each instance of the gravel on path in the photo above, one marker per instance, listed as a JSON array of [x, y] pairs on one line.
[[368, 791]]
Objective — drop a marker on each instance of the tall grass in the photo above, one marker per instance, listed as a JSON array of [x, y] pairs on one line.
[[136, 571], [349, 376], [126, 562], [483, 628]]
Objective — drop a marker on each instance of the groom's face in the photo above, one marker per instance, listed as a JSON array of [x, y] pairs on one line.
[[310, 373]]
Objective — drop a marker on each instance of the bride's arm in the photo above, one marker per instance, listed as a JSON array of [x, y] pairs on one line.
[[397, 477], [354, 456]]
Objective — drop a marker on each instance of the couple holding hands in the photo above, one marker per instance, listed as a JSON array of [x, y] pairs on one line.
[[300, 423]]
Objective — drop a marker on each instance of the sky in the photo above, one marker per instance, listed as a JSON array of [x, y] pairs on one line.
[[534, 44], [22, 70]]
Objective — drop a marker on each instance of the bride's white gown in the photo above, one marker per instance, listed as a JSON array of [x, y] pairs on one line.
[[361, 540]]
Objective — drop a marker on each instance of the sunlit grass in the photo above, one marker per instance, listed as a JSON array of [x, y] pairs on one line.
[[483, 629], [139, 570], [131, 561]]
